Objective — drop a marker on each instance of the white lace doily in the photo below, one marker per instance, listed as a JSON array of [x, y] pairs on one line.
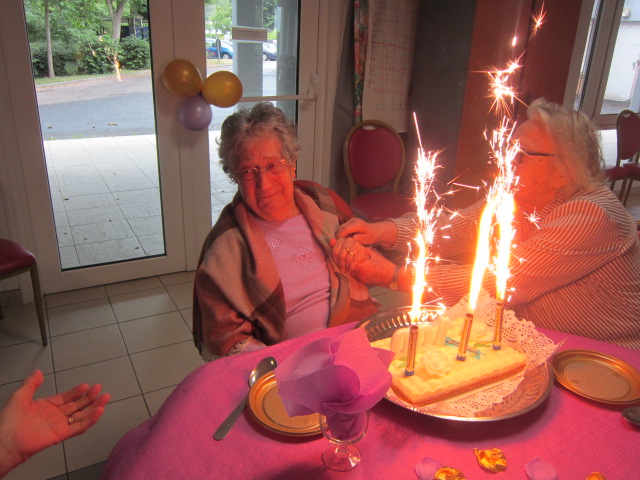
[[518, 333]]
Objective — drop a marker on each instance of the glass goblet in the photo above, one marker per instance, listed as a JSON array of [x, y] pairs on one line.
[[343, 430]]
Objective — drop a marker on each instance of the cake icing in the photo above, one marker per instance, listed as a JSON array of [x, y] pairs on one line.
[[438, 374]]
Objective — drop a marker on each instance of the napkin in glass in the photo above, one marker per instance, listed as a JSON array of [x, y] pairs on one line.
[[338, 376]]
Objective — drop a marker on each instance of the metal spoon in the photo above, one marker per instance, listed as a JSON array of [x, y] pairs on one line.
[[266, 365], [632, 414]]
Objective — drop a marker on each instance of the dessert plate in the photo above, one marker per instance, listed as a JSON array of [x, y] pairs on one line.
[[267, 408], [597, 376], [534, 388]]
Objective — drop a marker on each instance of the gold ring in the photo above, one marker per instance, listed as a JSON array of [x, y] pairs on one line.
[[69, 420]]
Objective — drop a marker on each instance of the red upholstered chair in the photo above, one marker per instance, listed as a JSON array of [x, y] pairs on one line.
[[14, 260], [374, 160], [628, 134]]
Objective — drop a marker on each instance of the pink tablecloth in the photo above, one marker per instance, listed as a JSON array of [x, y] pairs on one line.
[[574, 435]]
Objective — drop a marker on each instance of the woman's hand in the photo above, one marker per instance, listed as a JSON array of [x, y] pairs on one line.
[[378, 233], [28, 426], [347, 253]]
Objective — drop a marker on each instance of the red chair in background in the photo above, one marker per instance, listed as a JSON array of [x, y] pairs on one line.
[[374, 161], [14, 260], [628, 135]]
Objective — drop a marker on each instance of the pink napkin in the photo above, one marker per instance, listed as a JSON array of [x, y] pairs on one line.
[[338, 376]]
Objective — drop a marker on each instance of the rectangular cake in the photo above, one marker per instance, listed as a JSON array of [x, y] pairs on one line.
[[438, 375]]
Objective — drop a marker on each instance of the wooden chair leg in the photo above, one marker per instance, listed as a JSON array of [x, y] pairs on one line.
[[37, 297]]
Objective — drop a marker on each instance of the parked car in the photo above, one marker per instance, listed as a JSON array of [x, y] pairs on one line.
[[269, 51], [226, 49]]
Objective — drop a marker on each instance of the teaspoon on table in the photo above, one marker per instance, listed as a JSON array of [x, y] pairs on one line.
[[264, 366], [632, 414]]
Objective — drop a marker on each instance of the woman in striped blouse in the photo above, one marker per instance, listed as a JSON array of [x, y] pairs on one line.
[[578, 265]]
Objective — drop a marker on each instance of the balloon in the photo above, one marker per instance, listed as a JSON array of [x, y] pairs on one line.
[[182, 78], [222, 89], [195, 113]]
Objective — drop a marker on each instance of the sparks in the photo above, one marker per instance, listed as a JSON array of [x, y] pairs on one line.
[[501, 91], [538, 20], [427, 217]]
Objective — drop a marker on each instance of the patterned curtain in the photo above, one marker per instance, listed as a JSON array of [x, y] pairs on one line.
[[360, 40]]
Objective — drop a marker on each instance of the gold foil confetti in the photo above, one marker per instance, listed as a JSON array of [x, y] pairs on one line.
[[492, 460], [449, 473], [595, 476]]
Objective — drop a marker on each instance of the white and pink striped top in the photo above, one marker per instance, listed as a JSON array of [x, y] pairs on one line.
[[576, 270]]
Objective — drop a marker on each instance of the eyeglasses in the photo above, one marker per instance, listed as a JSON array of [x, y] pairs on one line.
[[251, 174], [525, 153]]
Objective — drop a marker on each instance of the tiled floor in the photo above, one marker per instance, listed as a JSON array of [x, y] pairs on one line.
[[106, 199], [134, 338]]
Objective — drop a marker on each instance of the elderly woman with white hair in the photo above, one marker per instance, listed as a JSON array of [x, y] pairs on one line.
[[265, 273], [577, 266]]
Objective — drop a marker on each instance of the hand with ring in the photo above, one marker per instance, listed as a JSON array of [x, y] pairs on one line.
[[28, 426], [347, 253]]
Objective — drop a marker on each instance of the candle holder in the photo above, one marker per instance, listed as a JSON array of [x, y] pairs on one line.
[[411, 355], [343, 431]]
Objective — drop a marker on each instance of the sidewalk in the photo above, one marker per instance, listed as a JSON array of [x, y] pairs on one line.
[[106, 198]]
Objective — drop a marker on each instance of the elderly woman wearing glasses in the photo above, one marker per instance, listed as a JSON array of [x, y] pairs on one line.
[[265, 273], [576, 260]]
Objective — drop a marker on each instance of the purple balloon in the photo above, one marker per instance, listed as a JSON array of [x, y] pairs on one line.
[[195, 113]]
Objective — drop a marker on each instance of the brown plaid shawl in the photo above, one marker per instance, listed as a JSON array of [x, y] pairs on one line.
[[238, 292]]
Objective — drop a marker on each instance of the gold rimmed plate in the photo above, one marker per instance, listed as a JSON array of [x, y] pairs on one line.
[[597, 376], [267, 408]]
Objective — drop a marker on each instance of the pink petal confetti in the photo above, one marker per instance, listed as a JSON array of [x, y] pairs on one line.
[[426, 468], [538, 469]]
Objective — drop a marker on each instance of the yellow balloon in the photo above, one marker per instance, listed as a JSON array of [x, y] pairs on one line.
[[222, 89], [182, 78]]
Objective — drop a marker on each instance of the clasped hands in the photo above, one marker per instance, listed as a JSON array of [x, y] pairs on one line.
[[352, 253]]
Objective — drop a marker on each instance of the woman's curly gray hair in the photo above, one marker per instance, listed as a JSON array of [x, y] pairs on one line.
[[244, 127], [576, 139]]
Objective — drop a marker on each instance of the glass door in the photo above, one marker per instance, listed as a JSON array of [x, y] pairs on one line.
[[108, 142]]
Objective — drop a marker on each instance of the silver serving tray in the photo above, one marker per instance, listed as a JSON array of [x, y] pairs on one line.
[[532, 391]]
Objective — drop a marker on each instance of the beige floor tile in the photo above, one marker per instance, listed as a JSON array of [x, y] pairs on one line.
[[156, 399], [19, 361], [75, 296], [80, 316], [182, 294], [178, 277], [155, 331], [42, 466], [133, 286], [89, 346], [96, 443], [187, 314], [166, 366], [142, 304], [19, 328], [116, 377]]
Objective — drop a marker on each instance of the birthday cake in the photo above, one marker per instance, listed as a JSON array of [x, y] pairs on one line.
[[438, 374]]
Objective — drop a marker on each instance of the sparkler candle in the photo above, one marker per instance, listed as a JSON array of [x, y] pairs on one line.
[[411, 355], [497, 336], [427, 215], [483, 250]]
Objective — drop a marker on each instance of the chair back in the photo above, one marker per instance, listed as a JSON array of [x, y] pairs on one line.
[[374, 157], [628, 134]]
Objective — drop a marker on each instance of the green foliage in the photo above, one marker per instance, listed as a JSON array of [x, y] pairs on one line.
[[64, 59], [269, 14], [218, 17], [97, 56], [135, 53]]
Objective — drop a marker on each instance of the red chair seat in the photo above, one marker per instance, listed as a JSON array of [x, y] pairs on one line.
[[616, 173], [379, 206], [14, 257]]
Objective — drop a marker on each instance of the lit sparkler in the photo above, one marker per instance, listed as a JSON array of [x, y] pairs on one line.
[[427, 217]]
